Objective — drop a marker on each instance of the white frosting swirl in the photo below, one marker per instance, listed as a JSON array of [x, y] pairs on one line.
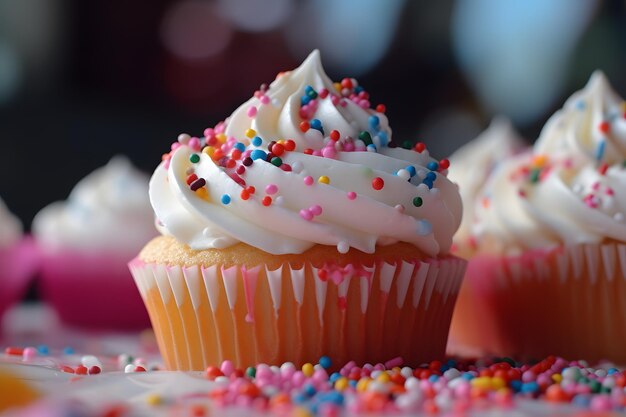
[[287, 225], [10, 227], [107, 210], [471, 165], [572, 188]]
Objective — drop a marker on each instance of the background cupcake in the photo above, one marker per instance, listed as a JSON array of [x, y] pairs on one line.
[[85, 243], [292, 230], [18, 259], [550, 269]]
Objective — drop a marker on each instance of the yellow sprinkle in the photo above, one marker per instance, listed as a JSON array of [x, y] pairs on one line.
[[557, 378], [324, 179], [307, 370], [301, 412], [209, 150], [361, 386], [540, 160], [250, 133], [624, 106], [497, 383], [482, 382], [154, 399], [383, 377], [203, 193], [337, 86], [341, 383]]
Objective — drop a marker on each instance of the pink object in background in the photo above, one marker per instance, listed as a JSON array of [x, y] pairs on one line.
[[18, 264], [92, 289]]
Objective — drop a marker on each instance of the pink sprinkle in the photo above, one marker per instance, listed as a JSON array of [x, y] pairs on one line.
[[348, 146], [392, 363], [265, 99], [323, 93], [351, 195], [609, 191], [334, 99], [595, 186], [308, 180], [317, 153], [194, 143], [316, 210], [251, 111], [209, 131], [601, 403], [306, 214], [175, 146], [343, 103], [29, 353], [329, 152], [271, 189], [227, 367]]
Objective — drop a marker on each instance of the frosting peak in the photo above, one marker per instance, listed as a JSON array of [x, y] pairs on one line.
[[305, 161], [571, 188]]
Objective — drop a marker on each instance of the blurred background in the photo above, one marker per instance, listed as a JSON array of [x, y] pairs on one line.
[[81, 81]]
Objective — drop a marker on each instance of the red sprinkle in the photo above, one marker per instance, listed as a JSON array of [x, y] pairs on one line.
[[81, 370], [94, 370], [267, 200], [444, 164], [603, 168], [378, 183], [334, 135], [604, 127], [191, 178], [14, 351], [290, 145], [419, 147], [381, 108], [304, 126]]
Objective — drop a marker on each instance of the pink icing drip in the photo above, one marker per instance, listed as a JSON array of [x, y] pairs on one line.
[[250, 278]]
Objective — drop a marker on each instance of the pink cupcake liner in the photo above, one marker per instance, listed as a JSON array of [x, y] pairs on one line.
[[570, 301], [18, 264], [92, 290]]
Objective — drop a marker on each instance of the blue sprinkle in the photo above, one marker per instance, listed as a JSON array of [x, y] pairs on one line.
[[352, 383], [612, 371], [258, 154], [69, 350], [384, 139], [468, 377], [315, 124], [433, 378], [308, 89], [516, 385], [240, 146], [310, 390], [600, 150], [325, 362], [225, 199], [298, 398], [334, 377], [444, 368], [374, 121], [451, 363], [371, 147], [304, 100], [428, 183], [331, 397], [581, 400], [411, 170], [431, 176], [531, 387], [424, 227], [432, 165], [358, 89], [257, 141], [43, 350], [581, 105]]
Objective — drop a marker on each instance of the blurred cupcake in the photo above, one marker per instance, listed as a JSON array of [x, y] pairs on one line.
[[292, 231], [86, 242], [18, 259], [470, 166], [550, 267]]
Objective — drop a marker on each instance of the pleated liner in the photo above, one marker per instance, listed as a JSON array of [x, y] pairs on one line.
[[204, 315], [569, 302]]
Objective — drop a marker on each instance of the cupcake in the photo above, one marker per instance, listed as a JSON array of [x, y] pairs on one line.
[[470, 166], [293, 230], [18, 259], [86, 242], [549, 269]]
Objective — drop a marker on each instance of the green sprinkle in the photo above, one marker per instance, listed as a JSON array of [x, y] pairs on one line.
[[417, 201], [276, 161], [194, 158], [366, 137], [251, 372], [407, 144], [534, 175]]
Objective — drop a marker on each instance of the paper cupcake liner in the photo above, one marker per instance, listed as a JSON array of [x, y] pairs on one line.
[[17, 267], [204, 315], [93, 291], [570, 301]]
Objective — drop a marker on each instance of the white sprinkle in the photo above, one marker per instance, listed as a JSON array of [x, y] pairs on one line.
[[343, 247], [90, 360]]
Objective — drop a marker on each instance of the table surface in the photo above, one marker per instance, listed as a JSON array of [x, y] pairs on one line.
[[113, 390]]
